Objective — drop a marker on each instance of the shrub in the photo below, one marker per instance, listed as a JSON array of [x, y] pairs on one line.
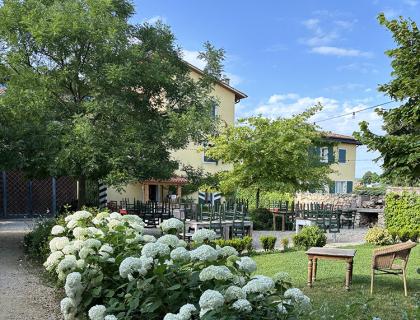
[[402, 213], [262, 219], [268, 242], [285, 243], [310, 236], [240, 244], [36, 242], [379, 236], [404, 234], [111, 270]]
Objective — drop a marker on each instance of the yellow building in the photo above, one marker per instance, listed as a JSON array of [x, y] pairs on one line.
[[343, 161], [227, 97]]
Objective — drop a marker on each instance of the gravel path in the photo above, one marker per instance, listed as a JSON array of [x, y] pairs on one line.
[[23, 296]]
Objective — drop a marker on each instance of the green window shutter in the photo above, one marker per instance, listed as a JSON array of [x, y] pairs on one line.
[[330, 154], [342, 155], [332, 187], [349, 186]]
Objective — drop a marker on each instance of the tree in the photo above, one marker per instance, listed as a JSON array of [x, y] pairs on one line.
[[400, 146], [370, 177], [198, 179], [272, 155], [92, 96]]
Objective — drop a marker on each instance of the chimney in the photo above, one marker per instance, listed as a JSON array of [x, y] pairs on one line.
[[226, 80]]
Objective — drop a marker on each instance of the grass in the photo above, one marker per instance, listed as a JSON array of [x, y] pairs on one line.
[[329, 294]]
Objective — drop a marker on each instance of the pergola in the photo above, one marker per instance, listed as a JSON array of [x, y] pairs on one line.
[[174, 181]]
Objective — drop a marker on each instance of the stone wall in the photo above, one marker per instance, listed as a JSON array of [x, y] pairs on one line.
[[345, 200], [400, 190]]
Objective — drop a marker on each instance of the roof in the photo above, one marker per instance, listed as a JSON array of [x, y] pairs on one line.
[[341, 138], [176, 180], [238, 94]]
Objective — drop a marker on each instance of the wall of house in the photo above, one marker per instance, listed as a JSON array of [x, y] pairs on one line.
[[131, 191], [344, 171]]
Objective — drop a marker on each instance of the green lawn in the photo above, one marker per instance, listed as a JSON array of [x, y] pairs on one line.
[[388, 301]]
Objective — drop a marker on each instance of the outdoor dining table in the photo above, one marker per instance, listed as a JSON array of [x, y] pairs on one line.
[[226, 225], [275, 212], [316, 253]]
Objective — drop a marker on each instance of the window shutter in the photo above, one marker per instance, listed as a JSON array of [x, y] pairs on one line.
[[330, 154], [342, 155], [349, 186], [332, 187]]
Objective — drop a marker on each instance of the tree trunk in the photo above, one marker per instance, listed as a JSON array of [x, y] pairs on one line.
[[257, 199], [81, 192]]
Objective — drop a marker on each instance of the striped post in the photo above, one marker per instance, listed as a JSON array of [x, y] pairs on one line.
[[102, 195], [4, 191]]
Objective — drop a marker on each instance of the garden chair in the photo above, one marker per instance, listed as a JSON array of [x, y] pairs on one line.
[[348, 218], [392, 260]]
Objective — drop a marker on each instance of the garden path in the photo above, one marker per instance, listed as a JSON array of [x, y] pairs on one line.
[[23, 296]]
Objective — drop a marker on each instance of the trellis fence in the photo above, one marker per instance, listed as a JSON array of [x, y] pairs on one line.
[[20, 197]]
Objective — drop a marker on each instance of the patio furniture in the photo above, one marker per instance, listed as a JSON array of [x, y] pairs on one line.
[[392, 260], [316, 253], [348, 217], [303, 222]]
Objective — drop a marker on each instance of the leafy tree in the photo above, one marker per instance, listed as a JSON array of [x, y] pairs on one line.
[[400, 146], [272, 155], [370, 177], [92, 96], [198, 179]]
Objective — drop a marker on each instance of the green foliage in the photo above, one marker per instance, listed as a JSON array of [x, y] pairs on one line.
[[262, 219], [310, 236], [285, 243], [404, 234], [36, 242], [370, 177], [268, 242], [400, 146], [271, 155], [198, 179], [266, 197], [402, 214], [92, 96], [370, 191], [379, 236], [240, 244]]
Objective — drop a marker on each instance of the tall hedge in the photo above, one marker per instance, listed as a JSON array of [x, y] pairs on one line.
[[402, 211]]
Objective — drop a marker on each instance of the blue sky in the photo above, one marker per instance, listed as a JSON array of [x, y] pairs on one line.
[[288, 55]]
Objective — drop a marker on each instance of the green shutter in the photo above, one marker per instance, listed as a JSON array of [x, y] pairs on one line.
[[349, 186], [342, 155], [330, 154], [332, 187]]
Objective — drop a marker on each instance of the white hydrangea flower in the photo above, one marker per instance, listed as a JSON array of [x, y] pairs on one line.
[[134, 222], [105, 251], [52, 260], [147, 264], [72, 224], [57, 230], [80, 264], [293, 293], [246, 264], [116, 216], [186, 311], [182, 243], [58, 243], [155, 249], [80, 233], [110, 317], [239, 280], [97, 312], [86, 252], [171, 316], [78, 244], [79, 215], [114, 223], [172, 224], [170, 240], [128, 266], [234, 293], [92, 243], [281, 277], [95, 232], [204, 235], [148, 238], [298, 298], [210, 300], [67, 264], [69, 249], [221, 273], [281, 308], [204, 253], [226, 251], [136, 239], [259, 284], [100, 218], [242, 305], [68, 308], [73, 286], [68, 218], [180, 254]]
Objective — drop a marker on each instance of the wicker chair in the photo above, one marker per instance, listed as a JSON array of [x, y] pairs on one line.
[[383, 261]]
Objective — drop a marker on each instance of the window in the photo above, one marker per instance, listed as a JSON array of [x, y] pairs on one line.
[[342, 155], [208, 159], [341, 187], [214, 110], [324, 154]]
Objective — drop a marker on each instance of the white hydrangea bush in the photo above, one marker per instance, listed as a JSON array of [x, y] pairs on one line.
[[110, 270]]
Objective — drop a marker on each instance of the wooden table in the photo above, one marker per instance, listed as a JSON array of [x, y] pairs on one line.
[[316, 253], [276, 212]]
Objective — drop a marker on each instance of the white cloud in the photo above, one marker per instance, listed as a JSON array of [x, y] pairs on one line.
[[234, 79], [319, 36], [358, 67], [192, 57], [340, 52], [411, 3], [155, 19]]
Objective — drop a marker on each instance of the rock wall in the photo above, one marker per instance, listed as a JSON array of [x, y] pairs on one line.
[[400, 190], [345, 200]]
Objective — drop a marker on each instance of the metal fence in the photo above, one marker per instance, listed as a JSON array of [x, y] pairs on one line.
[[22, 197]]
